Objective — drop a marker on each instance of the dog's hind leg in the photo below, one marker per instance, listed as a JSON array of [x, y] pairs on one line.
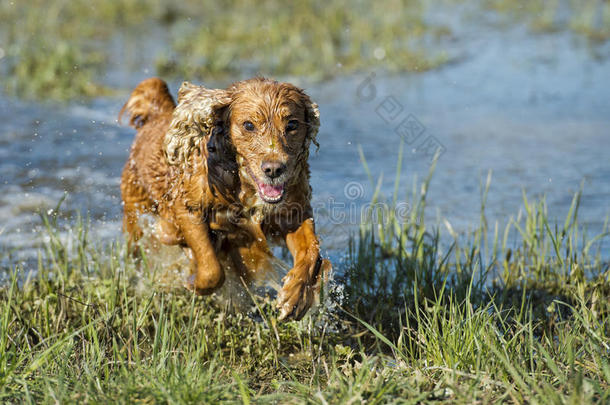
[[135, 203], [131, 213], [168, 233], [251, 262]]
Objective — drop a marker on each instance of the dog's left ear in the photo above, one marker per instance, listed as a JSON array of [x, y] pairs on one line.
[[312, 118], [198, 111]]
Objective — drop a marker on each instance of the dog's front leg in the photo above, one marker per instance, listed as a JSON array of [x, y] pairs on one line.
[[208, 274], [302, 281]]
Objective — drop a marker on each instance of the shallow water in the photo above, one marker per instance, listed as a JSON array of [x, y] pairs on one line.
[[533, 109]]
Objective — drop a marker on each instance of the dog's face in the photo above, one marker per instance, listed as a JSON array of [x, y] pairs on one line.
[[270, 126]]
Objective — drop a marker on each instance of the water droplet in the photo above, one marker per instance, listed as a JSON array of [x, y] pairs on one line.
[[379, 53]]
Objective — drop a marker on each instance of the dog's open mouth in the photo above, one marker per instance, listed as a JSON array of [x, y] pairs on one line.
[[270, 193]]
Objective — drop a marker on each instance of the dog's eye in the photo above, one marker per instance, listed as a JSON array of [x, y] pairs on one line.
[[292, 125], [248, 126]]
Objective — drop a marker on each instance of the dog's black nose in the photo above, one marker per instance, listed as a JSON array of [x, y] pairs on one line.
[[273, 169]]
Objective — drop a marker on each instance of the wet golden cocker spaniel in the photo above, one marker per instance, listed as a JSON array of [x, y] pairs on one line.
[[225, 171]]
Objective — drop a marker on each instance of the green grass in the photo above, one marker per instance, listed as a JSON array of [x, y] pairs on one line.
[[57, 49], [586, 18], [314, 39], [515, 315], [60, 49]]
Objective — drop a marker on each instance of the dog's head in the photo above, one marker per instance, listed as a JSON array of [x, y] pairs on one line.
[[270, 126]]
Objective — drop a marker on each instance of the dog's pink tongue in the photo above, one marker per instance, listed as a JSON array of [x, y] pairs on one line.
[[271, 191]]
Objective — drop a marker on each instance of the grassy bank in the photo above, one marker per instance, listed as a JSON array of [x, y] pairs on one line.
[[516, 315], [589, 19], [59, 49]]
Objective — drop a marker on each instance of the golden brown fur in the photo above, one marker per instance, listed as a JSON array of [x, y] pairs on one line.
[[225, 171]]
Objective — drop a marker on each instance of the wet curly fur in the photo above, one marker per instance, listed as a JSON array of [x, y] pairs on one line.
[[225, 171]]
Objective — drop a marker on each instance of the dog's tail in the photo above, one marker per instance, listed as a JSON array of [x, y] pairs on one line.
[[148, 100]]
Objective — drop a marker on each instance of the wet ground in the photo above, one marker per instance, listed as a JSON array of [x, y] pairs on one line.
[[533, 109]]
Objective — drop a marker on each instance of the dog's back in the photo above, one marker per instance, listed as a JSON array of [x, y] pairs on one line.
[[149, 109], [144, 179]]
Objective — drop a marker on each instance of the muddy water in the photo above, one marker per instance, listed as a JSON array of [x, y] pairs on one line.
[[534, 110]]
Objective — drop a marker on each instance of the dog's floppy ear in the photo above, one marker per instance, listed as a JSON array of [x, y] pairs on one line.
[[198, 111], [223, 171], [312, 118]]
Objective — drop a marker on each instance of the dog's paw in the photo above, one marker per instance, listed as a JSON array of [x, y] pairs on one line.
[[300, 286], [205, 286], [295, 298], [189, 284]]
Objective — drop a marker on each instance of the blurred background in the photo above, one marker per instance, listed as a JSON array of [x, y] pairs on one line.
[[515, 90]]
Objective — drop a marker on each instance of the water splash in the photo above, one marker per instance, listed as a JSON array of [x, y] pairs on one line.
[[170, 268]]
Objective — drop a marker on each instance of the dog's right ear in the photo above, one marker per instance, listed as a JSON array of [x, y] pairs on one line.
[[198, 111]]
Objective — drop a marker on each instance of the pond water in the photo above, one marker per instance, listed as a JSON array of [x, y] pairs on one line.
[[533, 109]]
